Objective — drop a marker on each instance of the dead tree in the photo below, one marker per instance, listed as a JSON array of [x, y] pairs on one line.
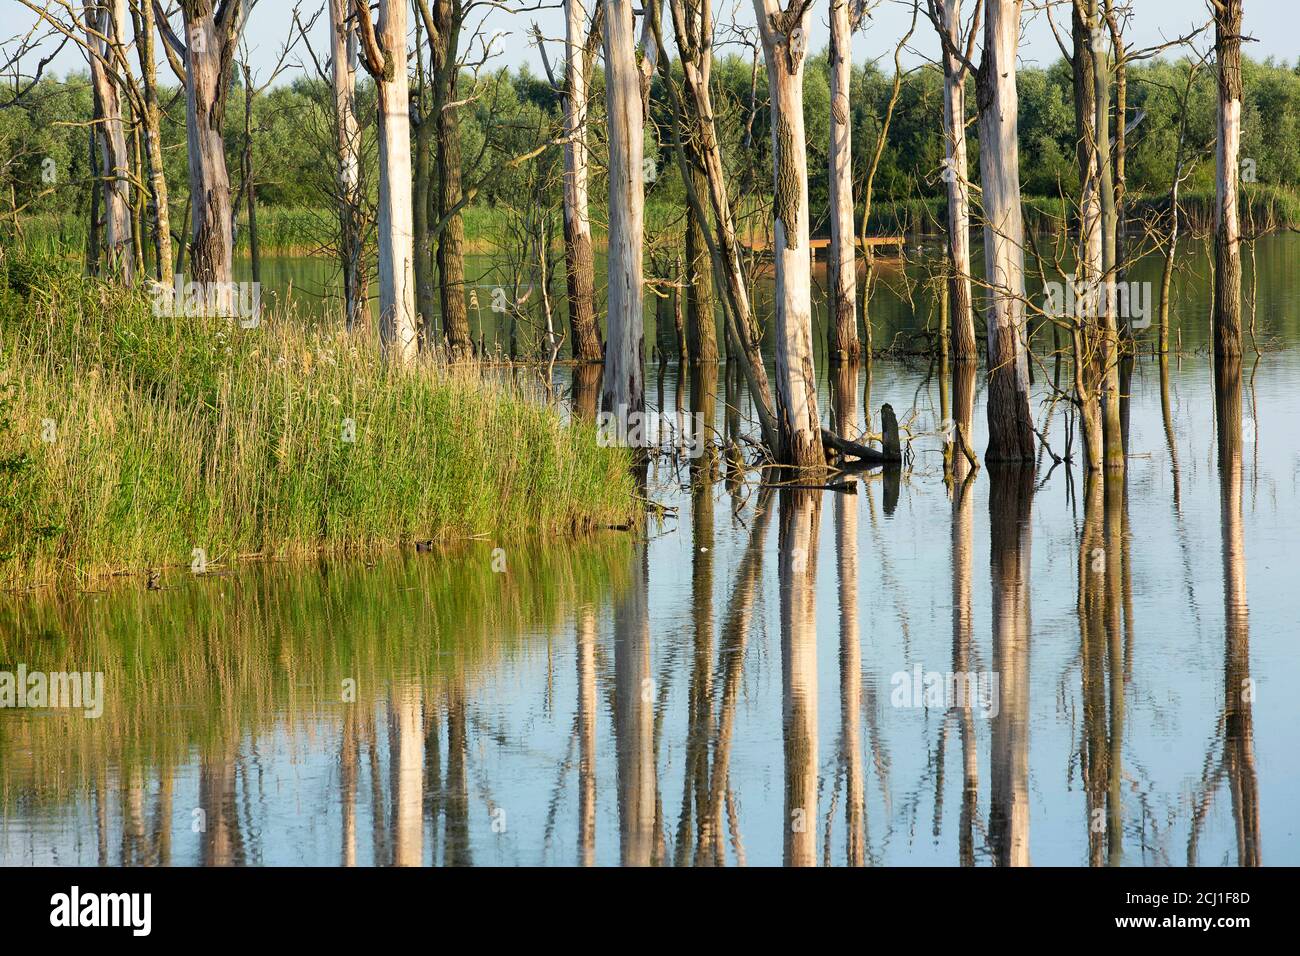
[[623, 387], [946, 16], [385, 59], [579, 267], [1227, 215], [784, 34]]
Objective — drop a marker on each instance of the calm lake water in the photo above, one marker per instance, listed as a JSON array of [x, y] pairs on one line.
[[749, 682]]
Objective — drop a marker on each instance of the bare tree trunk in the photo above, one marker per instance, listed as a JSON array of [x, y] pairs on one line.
[[579, 266], [785, 37], [423, 199], [107, 20], [444, 40], [695, 19], [152, 116], [1011, 435], [843, 318], [701, 325], [961, 311], [343, 73], [1120, 152], [1175, 183], [1227, 218], [623, 388], [96, 191], [385, 58], [249, 177], [208, 60], [1089, 269], [742, 329], [1108, 324]]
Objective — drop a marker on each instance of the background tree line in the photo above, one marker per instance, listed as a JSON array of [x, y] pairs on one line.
[[290, 131]]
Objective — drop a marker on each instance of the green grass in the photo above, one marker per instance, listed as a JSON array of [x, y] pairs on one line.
[[172, 434]]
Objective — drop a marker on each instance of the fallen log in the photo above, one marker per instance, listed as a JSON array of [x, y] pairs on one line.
[[889, 452]]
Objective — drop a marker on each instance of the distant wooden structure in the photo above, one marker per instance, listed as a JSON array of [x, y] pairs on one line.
[[894, 242]]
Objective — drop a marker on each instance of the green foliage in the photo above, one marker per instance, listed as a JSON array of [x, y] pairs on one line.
[[178, 432], [506, 114]]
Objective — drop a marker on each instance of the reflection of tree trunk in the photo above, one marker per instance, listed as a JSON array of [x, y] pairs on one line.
[[634, 719], [1239, 737], [1114, 583], [133, 826], [704, 400], [798, 575], [844, 400], [456, 848], [1166, 412], [1091, 610], [963, 520], [162, 825], [222, 841], [731, 650], [587, 734], [406, 751], [846, 554], [1010, 499], [348, 785]]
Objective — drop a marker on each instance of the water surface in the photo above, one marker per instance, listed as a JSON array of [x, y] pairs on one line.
[[727, 688]]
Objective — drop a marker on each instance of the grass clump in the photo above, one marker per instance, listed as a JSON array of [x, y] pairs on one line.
[[172, 434]]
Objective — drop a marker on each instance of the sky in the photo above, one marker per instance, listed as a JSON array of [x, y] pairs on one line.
[[1271, 23]]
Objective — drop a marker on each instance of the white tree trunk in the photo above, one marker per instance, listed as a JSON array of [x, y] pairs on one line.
[[1011, 435], [386, 61], [577, 217], [210, 234], [623, 389], [1227, 217], [343, 57], [785, 37], [108, 20], [843, 261], [961, 313]]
